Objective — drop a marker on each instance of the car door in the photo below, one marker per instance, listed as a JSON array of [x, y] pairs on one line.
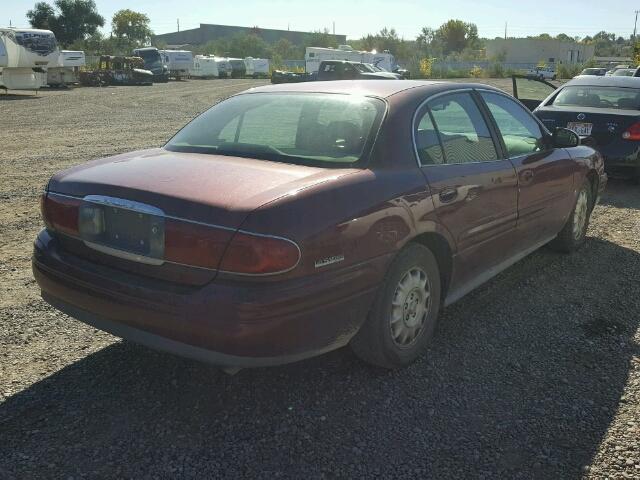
[[474, 190], [545, 174], [531, 91]]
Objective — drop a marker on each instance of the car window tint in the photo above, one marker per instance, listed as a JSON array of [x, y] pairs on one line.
[[427, 142], [291, 128], [521, 133], [464, 133], [599, 97]]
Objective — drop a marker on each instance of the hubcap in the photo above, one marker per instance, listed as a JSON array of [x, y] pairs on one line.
[[410, 307], [580, 215]]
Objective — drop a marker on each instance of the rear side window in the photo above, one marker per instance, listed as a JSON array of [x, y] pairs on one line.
[[428, 142], [521, 133], [462, 130]]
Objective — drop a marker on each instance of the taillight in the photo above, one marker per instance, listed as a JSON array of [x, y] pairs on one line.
[[253, 254], [194, 244], [633, 132], [60, 213]]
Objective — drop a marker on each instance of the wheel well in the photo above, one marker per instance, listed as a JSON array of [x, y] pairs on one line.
[[440, 249], [592, 176]]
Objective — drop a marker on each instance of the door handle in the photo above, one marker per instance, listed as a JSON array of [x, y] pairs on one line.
[[448, 194], [527, 175]]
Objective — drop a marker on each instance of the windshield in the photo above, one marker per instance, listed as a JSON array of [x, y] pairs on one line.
[[624, 72], [150, 57], [309, 128], [599, 97]]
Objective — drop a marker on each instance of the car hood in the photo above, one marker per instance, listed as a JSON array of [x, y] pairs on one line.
[[200, 187]]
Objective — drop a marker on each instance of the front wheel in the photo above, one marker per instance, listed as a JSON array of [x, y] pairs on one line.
[[403, 317], [574, 233]]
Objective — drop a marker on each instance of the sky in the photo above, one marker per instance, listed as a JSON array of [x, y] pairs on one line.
[[356, 18]]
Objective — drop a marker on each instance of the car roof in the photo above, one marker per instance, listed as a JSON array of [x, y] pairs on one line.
[[376, 88], [611, 81]]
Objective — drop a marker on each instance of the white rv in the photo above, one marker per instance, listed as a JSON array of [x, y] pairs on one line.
[[179, 62], [24, 57], [315, 55], [257, 67], [66, 68], [209, 66]]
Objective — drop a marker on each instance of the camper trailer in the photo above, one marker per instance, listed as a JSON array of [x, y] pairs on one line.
[[315, 55], [25, 55], [65, 69], [209, 66], [257, 67], [179, 62]]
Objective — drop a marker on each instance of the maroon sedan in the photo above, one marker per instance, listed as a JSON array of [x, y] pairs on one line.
[[295, 219]]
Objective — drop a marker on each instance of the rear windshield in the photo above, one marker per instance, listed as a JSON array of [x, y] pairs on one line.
[[599, 97], [309, 129]]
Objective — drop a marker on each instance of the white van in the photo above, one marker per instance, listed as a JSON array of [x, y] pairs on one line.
[[179, 62]]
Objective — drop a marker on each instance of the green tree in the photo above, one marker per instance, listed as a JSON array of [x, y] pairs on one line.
[[131, 27], [42, 16], [70, 20], [456, 35], [321, 38]]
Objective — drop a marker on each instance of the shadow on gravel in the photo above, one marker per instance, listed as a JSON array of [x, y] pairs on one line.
[[622, 194], [14, 96], [522, 381]]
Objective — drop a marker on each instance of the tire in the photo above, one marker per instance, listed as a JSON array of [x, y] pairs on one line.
[[403, 317], [574, 233]]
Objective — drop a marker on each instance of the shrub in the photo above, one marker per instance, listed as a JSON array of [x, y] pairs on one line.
[[426, 67], [496, 70], [476, 72]]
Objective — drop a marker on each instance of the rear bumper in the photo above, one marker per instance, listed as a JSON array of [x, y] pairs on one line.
[[236, 325], [622, 161]]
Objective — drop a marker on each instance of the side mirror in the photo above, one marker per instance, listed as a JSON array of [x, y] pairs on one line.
[[565, 138]]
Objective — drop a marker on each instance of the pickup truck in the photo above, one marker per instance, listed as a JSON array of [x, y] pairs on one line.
[[544, 73], [336, 70]]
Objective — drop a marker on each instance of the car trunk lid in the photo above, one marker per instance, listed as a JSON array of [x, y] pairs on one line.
[[129, 202], [608, 125]]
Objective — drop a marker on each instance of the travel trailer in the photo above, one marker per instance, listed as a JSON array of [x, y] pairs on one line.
[[209, 66], [315, 55], [257, 67], [24, 57], [179, 62], [64, 70]]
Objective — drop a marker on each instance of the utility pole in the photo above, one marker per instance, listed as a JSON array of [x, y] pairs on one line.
[[635, 26], [505, 30], [334, 28], [178, 22]]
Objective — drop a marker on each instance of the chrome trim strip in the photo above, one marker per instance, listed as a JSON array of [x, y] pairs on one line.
[[130, 204], [124, 254]]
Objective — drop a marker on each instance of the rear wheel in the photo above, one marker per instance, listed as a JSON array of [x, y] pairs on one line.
[[574, 232], [403, 317]]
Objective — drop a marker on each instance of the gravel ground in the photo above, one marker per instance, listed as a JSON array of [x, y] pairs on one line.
[[534, 375]]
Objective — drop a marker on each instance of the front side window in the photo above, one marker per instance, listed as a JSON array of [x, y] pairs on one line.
[[463, 132], [310, 129], [521, 133]]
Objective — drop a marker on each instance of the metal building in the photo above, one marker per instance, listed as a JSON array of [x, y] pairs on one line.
[[534, 50]]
